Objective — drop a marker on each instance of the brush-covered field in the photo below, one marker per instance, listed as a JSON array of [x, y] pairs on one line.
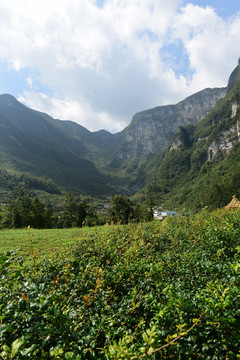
[[161, 290]]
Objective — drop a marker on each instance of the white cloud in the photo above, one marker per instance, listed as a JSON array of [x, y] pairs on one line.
[[29, 82], [78, 111], [211, 43], [103, 64]]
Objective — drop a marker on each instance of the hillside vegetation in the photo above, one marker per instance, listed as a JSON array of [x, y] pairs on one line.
[[167, 290], [201, 167]]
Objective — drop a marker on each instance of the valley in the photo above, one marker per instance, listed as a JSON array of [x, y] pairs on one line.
[[167, 153]]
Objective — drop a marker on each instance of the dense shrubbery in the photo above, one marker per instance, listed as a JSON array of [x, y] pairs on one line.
[[157, 290]]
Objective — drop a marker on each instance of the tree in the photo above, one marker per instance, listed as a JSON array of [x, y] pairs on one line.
[[21, 211], [75, 211], [17, 213], [121, 209], [37, 214], [48, 216], [143, 212]]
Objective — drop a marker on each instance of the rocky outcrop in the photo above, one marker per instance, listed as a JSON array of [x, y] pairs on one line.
[[225, 142], [176, 144], [151, 131], [180, 139]]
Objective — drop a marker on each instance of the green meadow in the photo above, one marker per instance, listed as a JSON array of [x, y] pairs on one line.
[[45, 241]]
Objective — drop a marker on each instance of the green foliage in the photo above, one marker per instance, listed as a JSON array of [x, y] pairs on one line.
[[160, 290], [143, 212], [11, 179], [121, 209], [21, 211], [74, 211], [185, 178]]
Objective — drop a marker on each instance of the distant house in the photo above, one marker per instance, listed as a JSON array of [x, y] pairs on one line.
[[107, 206], [157, 215], [160, 215]]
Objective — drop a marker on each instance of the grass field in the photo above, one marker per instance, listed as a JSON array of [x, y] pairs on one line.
[[49, 242], [45, 241]]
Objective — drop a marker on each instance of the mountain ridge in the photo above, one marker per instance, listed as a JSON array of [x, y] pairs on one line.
[[100, 163]]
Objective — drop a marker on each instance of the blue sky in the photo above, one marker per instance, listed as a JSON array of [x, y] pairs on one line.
[[224, 8], [98, 62]]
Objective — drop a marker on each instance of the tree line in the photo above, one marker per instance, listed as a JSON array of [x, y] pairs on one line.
[[22, 210]]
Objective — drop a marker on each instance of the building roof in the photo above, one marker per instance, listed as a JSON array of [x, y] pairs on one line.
[[234, 204]]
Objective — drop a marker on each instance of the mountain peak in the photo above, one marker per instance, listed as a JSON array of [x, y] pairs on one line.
[[8, 100], [234, 77]]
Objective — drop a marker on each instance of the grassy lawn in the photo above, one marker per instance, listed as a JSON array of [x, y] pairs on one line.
[[45, 242], [49, 242]]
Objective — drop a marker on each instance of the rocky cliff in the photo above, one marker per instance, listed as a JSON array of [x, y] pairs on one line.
[[201, 167], [223, 144], [151, 131]]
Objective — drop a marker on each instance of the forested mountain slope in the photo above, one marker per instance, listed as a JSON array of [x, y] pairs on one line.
[[35, 144], [201, 167]]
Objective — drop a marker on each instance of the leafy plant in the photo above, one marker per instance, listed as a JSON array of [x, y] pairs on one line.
[[157, 290]]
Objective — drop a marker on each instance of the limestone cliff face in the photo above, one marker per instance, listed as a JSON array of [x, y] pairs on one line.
[[180, 139], [176, 144], [226, 140], [151, 131]]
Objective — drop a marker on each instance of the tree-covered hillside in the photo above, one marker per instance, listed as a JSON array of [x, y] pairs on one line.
[[34, 144], [201, 167]]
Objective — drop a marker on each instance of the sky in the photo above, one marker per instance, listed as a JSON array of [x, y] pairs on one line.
[[98, 62]]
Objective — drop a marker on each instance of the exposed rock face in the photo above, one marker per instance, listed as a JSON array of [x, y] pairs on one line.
[[180, 139], [176, 144], [225, 142], [151, 131], [234, 109]]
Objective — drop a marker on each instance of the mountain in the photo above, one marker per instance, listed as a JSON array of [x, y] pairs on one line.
[[33, 143], [151, 131], [165, 150], [201, 166]]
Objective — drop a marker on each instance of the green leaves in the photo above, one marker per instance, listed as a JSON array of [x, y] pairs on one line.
[[128, 292], [17, 345]]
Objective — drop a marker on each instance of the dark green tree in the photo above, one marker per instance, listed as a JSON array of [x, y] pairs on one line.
[[69, 210], [74, 211], [37, 214], [21, 210], [17, 213], [48, 216], [121, 209], [81, 212], [143, 212]]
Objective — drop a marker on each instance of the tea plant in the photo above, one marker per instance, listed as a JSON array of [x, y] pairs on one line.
[[167, 290]]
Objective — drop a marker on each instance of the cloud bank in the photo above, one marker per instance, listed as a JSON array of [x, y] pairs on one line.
[[98, 62]]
